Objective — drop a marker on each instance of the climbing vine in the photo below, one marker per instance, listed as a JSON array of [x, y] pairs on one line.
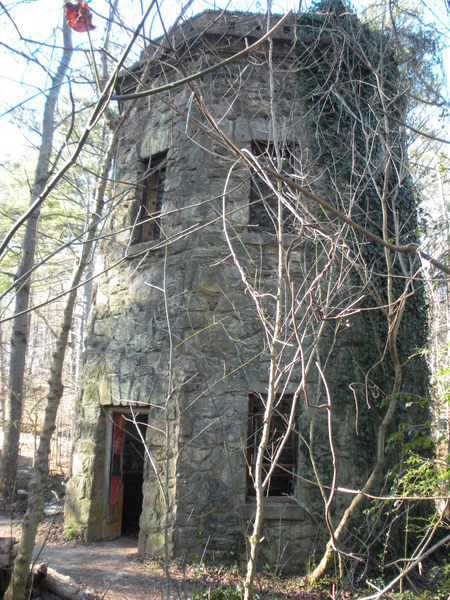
[[359, 84]]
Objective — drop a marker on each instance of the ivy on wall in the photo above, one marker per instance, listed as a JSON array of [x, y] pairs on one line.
[[352, 81]]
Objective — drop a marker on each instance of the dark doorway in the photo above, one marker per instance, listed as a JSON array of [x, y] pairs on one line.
[[133, 473]]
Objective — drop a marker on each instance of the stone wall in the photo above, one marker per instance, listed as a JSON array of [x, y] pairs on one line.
[[175, 331]]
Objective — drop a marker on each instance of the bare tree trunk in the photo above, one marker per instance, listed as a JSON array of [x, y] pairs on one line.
[[254, 538], [259, 483], [17, 587], [19, 337], [86, 303], [3, 388], [86, 294]]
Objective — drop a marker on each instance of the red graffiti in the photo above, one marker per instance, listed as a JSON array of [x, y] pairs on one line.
[[114, 490]]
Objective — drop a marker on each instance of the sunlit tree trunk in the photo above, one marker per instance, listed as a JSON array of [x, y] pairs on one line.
[[254, 538], [3, 388], [33, 516], [19, 337]]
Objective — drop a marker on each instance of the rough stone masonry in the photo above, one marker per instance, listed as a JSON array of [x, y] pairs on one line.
[[177, 341]]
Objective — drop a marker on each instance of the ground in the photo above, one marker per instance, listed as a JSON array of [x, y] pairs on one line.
[[107, 569], [114, 571]]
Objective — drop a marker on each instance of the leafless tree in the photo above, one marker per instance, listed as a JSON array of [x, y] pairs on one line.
[[8, 466], [353, 205]]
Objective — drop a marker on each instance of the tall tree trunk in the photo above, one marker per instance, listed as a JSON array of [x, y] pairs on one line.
[[33, 516], [3, 388], [8, 465], [86, 302], [260, 483]]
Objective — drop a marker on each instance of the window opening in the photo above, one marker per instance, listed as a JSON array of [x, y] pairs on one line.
[[282, 480], [263, 211], [153, 189]]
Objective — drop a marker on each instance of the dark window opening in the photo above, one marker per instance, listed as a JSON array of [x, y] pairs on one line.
[[263, 205], [281, 483], [152, 195]]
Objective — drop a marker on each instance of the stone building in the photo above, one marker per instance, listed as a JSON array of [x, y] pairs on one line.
[[178, 351]]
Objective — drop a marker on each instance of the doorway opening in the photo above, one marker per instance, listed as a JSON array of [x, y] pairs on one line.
[[133, 474], [125, 468]]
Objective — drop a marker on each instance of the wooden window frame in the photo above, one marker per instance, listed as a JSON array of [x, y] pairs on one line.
[[282, 483], [151, 198]]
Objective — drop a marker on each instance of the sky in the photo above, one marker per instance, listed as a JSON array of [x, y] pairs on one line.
[[40, 21]]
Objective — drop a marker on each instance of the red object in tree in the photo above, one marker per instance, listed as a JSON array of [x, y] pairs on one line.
[[78, 16]]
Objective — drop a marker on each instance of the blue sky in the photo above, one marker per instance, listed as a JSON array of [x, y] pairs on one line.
[[41, 20]]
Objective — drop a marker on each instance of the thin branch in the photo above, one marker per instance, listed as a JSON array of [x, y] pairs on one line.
[[409, 568], [99, 109]]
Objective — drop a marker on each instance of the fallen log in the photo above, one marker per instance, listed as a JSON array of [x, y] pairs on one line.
[[61, 585]]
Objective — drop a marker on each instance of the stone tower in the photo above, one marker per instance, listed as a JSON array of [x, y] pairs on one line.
[[179, 348]]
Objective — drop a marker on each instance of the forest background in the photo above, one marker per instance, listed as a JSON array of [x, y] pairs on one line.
[[31, 49]]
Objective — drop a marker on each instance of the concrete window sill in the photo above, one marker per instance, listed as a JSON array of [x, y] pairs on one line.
[[264, 238], [274, 510], [138, 249], [258, 237]]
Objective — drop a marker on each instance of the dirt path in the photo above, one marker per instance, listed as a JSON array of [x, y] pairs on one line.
[[111, 570], [114, 571]]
